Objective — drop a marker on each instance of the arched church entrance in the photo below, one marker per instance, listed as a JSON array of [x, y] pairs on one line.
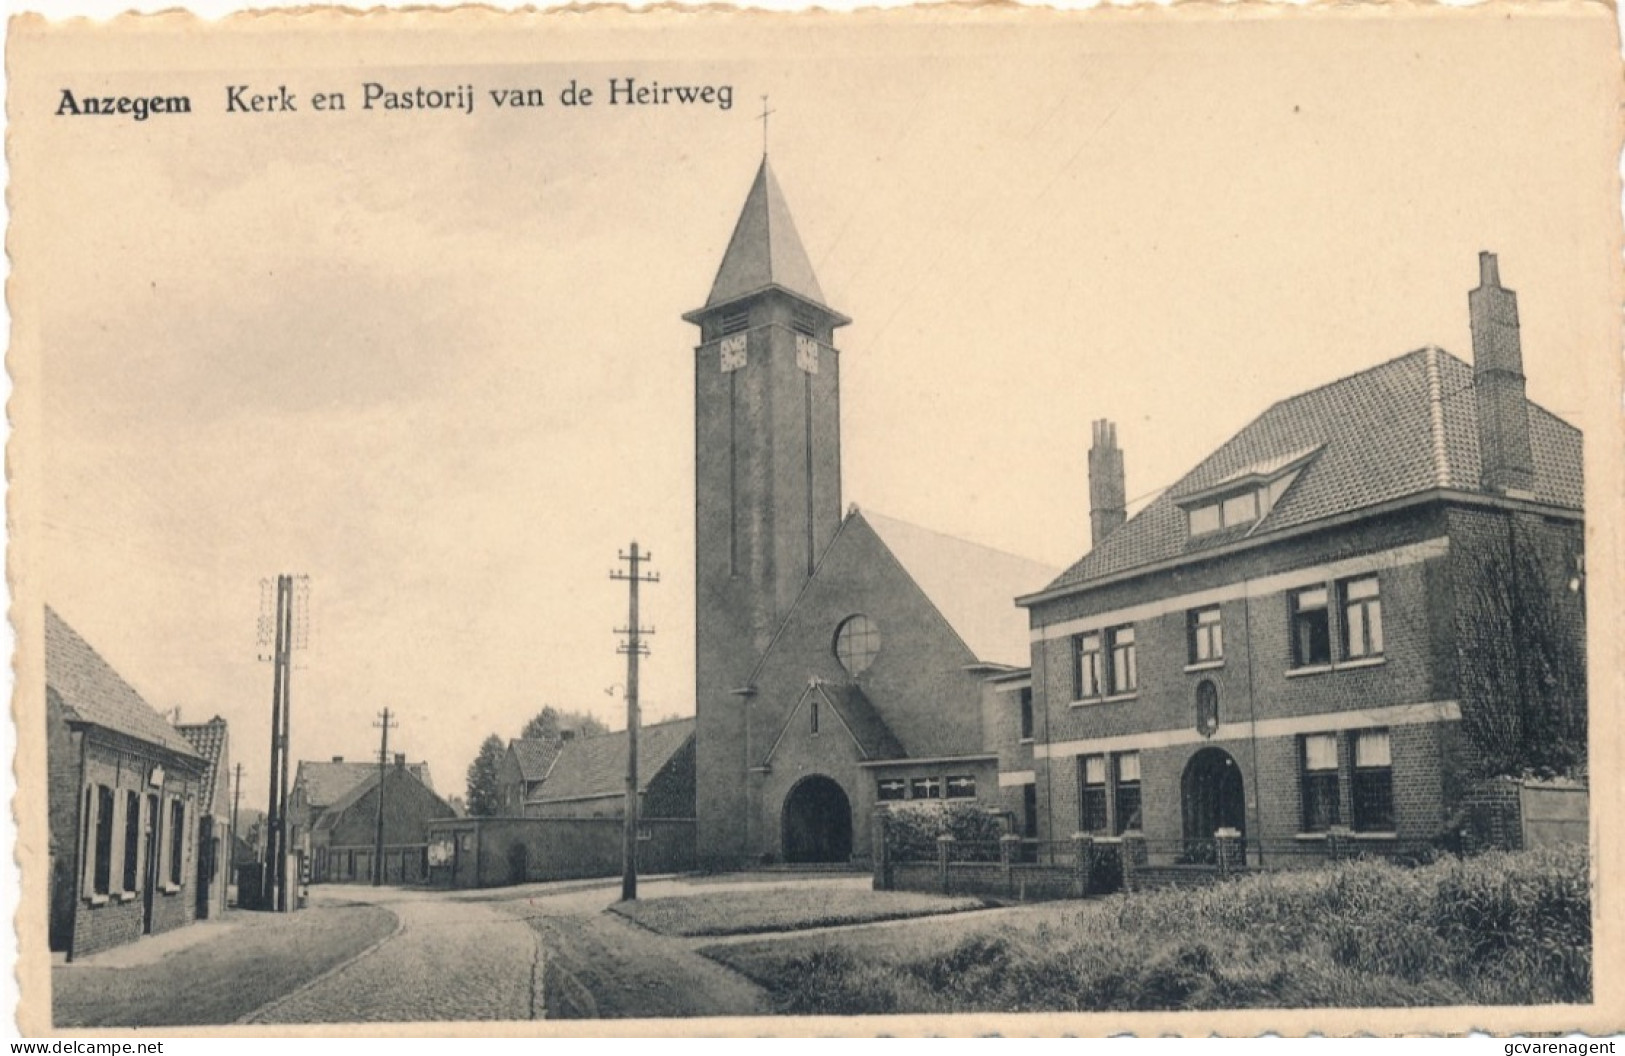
[[817, 822], [1213, 796]]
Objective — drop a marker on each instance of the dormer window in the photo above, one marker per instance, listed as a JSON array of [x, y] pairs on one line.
[[1244, 497]]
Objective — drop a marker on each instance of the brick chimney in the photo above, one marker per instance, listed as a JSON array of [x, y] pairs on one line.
[[1106, 504], [1505, 459], [400, 760]]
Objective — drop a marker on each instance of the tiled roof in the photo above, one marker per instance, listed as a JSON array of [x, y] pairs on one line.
[[765, 249], [334, 811], [589, 767], [209, 739], [326, 783], [534, 755], [973, 586], [90, 691], [1401, 428]]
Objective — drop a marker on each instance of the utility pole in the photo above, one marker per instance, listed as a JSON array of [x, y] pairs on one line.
[[383, 724], [231, 838], [287, 633], [633, 647]]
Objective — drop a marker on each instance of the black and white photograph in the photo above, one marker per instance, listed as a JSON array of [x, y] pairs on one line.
[[929, 521]]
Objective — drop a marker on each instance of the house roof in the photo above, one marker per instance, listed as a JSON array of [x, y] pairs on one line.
[[591, 767], [209, 739], [324, 783], [534, 756], [91, 692], [334, 811], [765, 250], [1396, 430], [973, 586]]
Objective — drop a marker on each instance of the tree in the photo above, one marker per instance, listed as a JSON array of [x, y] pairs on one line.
[[550, 724], [482, 778], [1522, 653]]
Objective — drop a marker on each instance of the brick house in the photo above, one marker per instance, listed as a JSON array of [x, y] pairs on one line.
[[125, 789], [1291, 641], [839, 655], [341, 838], [211, 740]]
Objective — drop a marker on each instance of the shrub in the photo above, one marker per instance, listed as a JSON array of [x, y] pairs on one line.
[[912, 830]]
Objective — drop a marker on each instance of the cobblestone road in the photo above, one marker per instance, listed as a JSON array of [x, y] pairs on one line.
[[451, 959]]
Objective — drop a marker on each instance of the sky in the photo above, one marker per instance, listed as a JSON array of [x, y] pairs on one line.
[[435, 361]]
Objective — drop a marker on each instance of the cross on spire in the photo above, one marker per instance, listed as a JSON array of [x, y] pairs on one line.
[[764, 114]]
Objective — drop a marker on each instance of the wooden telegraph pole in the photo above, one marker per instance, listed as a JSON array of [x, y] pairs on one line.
[[288, 632], [633, 647], [384, 724]]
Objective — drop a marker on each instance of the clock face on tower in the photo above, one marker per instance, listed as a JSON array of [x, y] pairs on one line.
[[732, 352], [807, 354]]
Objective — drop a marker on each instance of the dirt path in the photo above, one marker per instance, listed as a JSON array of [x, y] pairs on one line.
[[625, 971]]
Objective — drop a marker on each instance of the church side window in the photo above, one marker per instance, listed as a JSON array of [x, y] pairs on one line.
[[926, 788], [961, 787], [857, 641], [890, 789]]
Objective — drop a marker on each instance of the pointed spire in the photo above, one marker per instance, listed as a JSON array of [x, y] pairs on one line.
[[765, 249]]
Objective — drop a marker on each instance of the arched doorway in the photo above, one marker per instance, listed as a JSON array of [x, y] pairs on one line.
[[1213, 796], [817, 822]]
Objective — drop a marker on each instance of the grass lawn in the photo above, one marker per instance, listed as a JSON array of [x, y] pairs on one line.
[[221, 979], [1512, 929], [784, 909]]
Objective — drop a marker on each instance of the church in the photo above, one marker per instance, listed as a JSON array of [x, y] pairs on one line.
[[843, 658]]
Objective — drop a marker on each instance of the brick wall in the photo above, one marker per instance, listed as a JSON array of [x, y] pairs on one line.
[[525, 850]]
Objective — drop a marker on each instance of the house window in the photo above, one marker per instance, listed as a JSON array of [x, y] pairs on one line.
[[890, 789], [177, 840], [813, 715], [1320, 809], [1205, 635], [1362, 618], [132, 840], [1205, 519], [1373, 782], [1092, 804], [102, 846], [926, 788], [1086, 665], [960, 787], [1127, 793], [1027, 714], [1311, 628], [857, 641], [1124, 671], [1029, 811]]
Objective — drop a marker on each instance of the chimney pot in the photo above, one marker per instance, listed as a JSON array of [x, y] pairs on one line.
[[1489, 270]]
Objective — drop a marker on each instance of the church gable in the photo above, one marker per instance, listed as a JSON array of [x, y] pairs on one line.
[[863, 621], [828, 710]]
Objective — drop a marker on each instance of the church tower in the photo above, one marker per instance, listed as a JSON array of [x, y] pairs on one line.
[[767, 483]]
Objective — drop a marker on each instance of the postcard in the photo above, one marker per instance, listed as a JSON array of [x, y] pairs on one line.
[[930, 521]]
